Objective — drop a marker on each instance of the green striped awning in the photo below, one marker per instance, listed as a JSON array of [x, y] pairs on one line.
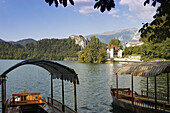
[[146, 69]]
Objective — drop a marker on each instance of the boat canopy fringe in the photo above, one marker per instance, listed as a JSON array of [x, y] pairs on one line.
[[55, 69], [145, 69]]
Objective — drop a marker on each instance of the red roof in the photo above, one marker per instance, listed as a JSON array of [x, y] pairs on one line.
[[113, 46]]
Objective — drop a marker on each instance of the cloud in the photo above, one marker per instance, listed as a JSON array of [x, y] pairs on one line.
[[85, 7], [80, 3], [87, 10], [129, 17], [136, 6], [114, 13]]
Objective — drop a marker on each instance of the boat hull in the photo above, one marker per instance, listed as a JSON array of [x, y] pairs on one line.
[[134, 108]]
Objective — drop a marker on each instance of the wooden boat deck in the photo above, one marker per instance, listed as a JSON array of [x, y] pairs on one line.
[[34, 103], [125, 95]]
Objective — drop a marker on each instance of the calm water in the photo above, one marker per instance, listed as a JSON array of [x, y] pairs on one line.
[[94, 89]]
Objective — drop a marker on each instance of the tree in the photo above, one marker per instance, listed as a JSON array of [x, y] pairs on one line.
[[115, 42], [159, 29], [102, 55], [83, 56], [102, 4], [94, 45], [94, 52]]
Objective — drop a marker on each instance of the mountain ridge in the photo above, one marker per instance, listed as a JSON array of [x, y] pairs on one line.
[[124, 35], [115, 31]]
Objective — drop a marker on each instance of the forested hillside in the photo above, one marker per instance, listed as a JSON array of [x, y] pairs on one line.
[[51, 49]]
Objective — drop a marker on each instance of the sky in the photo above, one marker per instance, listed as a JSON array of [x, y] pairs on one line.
[[21, 19]]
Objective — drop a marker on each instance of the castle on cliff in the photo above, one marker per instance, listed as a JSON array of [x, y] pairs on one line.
[[80, 40]]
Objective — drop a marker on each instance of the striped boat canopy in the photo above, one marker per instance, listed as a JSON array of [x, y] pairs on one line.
[[55, 69], [145, 69]]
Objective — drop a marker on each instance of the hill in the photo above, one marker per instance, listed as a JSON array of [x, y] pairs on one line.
[[24, 42], [124, 35], [2, 40]]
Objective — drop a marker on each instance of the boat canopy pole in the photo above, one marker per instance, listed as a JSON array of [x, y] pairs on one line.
[[168, 87], [117, 85], [147, 86], [63, 94], [51, 88], [132, 87], [75, 97], [155, 94], [3, 86]]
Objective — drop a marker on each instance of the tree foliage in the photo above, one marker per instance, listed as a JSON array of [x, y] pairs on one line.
[[94, 52], [102, 55], [159, 29], [115, 42], [102, 4], [51, 49]]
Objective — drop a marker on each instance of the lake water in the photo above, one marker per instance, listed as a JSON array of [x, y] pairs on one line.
[[94, 89]]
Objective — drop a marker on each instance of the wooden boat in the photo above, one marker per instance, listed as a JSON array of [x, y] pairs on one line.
[[147, 101], [26, 102]]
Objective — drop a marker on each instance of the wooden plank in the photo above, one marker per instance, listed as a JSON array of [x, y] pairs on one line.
[[117, 85], [3, 89], [62, 104], [13, 109], [63, 94], [155, 94], [132, 88], [145, 99], [22, 94], [52, 87], [75, 97], [52, 109], [167, 87], [26, 103], [121, 89], [147, 87]]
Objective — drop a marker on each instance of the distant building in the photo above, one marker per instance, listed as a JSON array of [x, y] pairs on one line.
[[80, 40], [128, 44], [113, 51], [138, 57]]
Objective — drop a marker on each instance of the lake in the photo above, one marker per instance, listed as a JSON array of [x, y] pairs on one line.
[[94, 89]]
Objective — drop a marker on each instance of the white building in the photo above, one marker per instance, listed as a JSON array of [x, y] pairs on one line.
[[113, 51], [128, 44], [120, 51]]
